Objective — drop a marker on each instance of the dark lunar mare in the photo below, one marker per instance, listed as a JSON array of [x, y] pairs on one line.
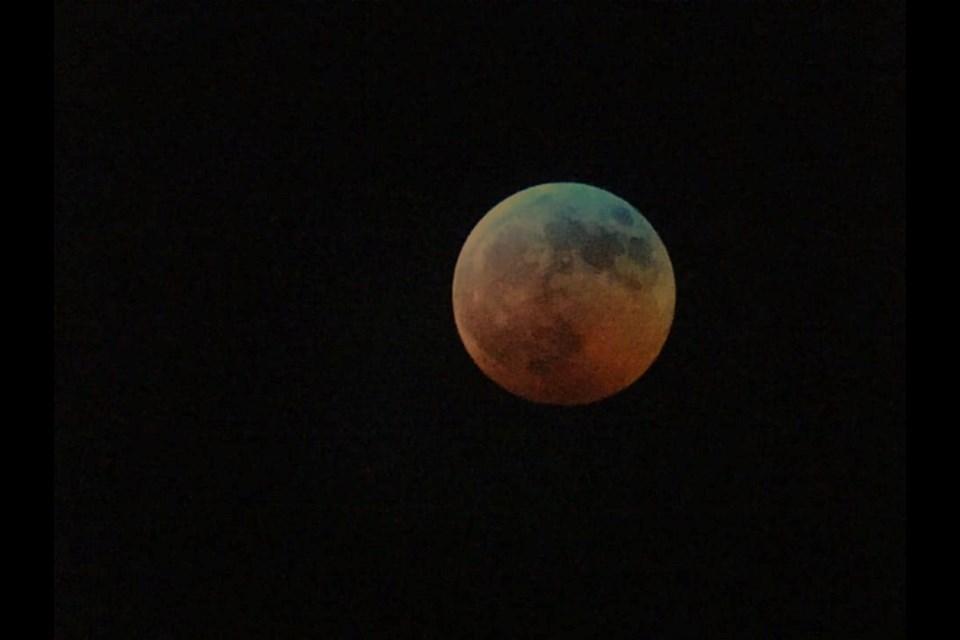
[[551, 345], [541, 349], [598, 248], [622, 215], [640, 251]]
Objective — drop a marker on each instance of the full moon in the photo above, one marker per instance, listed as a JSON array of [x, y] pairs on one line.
[[563, 294]]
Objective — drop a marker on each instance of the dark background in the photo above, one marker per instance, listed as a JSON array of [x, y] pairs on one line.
[[265, 424]]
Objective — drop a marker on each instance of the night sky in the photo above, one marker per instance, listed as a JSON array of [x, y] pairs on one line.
[[265, 424]]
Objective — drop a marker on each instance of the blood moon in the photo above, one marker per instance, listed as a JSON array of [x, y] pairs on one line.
[[563, 294]]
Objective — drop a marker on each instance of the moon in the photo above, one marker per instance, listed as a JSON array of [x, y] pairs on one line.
[[563, 294]]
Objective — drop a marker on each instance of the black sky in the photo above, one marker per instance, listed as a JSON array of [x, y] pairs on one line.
[[265, 424]]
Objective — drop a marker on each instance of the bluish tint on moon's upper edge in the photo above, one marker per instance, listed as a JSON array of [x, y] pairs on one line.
[[595, 223], [571, 200]]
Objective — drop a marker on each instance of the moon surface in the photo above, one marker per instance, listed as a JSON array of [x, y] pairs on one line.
[[563, 294]]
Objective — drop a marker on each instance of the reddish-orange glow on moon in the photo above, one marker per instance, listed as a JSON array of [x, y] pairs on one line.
[[563, 294]]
